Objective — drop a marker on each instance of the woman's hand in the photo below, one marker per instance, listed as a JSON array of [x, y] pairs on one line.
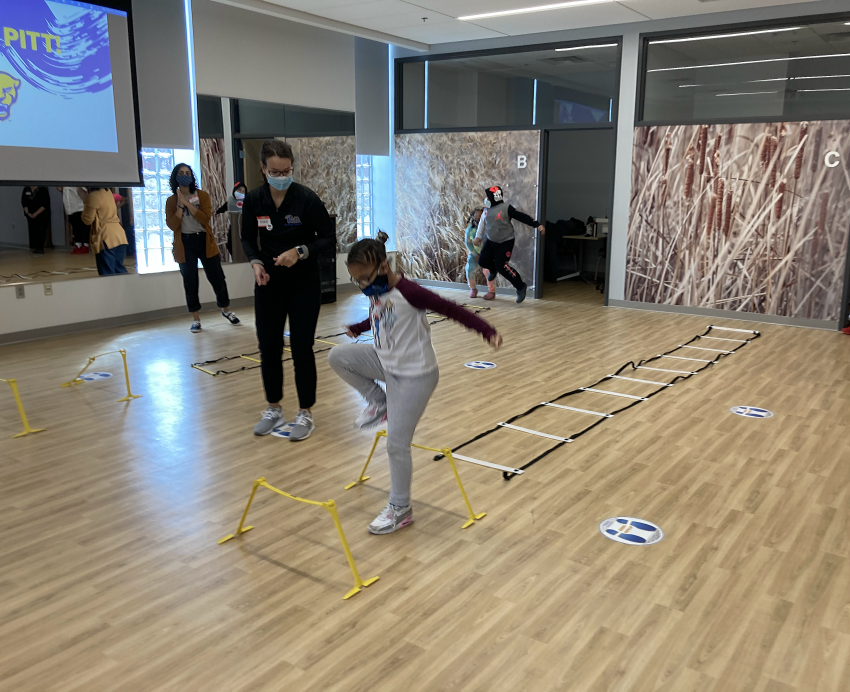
[[287, 259], [476, 242], [495, 341], [181, 200], [542, 229], [260, 274]]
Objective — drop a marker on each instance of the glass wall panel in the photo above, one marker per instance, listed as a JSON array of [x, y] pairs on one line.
[[545, 87], [799, 72], [413, 95]]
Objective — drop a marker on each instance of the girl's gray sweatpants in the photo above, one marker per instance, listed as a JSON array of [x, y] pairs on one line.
[[406, 399]]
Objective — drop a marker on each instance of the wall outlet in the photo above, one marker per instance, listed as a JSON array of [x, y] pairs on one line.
[[19, 292], [48, 289]]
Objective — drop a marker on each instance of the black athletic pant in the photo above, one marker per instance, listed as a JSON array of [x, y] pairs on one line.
[[300, 300], [495, 257], [80, 230], [195, 247]]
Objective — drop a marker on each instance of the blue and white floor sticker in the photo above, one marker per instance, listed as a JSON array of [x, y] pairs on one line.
[[631, 530], [751, 412], [282, 430], [95, 376], [480, 365]]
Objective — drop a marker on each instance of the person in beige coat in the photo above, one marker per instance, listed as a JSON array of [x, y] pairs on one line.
[[107, 239], [187, 213]]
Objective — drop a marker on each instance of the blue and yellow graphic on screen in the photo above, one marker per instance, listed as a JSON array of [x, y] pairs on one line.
[[56, 75]]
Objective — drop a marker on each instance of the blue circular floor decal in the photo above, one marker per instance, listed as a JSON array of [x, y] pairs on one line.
[[282, 430], [95, 376], [751, 412], [631, 530], [480, 365]]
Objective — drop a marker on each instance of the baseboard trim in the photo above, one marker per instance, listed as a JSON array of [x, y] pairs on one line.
[[110, 322], [727, 314]]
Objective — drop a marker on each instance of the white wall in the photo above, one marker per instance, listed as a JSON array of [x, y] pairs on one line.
[[244, 54], [85, 300]]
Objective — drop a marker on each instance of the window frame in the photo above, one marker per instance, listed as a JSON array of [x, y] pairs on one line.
[[398, 114], [646, 39]]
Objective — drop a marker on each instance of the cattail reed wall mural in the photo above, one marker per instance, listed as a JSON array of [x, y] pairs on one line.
[[750, 218], [441, 178], [213, 180]]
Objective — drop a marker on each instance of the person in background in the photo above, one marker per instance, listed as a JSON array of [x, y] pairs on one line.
[[497, 228], [401, 356], [74, 211], [119, 200], [285, 227], [107, 238], [472, 258], [36, 203], [187, 213], [233, 206]]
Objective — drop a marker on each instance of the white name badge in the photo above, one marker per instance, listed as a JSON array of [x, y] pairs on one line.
[[194, 200], [265, 222]]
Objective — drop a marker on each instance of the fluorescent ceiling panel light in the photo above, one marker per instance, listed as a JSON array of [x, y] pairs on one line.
[[749, 62], [808, 91], [710, 38], [527, 10], [750, 93], [601, 45], [824, 76]]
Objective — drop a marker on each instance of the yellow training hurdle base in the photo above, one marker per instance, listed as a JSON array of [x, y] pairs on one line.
[[27, 429], [330, 506], [447, 453], [130, 396]]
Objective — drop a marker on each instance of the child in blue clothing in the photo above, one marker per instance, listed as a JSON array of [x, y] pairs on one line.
[[472, 258]]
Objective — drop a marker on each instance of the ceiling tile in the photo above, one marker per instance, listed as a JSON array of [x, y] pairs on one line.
[[663, 9]]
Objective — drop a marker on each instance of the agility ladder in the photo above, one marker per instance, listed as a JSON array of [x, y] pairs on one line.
[[694, 364]]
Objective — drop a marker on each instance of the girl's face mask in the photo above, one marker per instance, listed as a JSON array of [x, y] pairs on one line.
[[378, 287]]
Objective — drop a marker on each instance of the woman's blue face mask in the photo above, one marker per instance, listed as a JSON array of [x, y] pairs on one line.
[[185, 180]]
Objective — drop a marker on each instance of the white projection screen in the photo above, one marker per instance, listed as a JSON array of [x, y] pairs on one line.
[[68, 99]]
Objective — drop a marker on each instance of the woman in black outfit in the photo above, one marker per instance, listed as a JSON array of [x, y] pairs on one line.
[[285, 227], [36, 203]]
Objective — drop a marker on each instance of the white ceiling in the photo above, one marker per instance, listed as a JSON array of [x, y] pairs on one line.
[[403, 19]]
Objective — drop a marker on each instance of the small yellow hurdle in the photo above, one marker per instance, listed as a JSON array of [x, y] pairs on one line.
[[447, 453], [130, 396], [27, 429], [330, 506]]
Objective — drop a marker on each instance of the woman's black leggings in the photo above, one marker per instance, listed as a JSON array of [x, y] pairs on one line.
[[300, 300], [495, 257]]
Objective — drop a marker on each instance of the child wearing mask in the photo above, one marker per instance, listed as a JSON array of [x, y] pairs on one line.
[[497, 231], [472, 258], [402, 357]]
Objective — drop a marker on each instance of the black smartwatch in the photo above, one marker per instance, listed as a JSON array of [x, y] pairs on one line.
[[301, 253]]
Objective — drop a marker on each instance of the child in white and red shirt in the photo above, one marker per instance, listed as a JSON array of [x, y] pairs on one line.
[[402, 357]]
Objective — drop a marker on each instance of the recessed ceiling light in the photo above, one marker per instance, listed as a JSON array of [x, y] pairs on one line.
[[711, 38], [539, 8], [808, 91], [601, 45], [750, 93], [749, 62]]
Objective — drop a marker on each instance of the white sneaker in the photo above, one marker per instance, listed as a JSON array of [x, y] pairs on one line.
[[272, 418], [371, 416], [391, 519]]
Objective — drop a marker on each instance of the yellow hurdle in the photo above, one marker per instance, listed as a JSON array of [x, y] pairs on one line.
[[130, 396], [447, 453], [27, 429], [330, 506]]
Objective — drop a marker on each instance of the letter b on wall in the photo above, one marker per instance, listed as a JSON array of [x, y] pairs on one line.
[[521, 161]]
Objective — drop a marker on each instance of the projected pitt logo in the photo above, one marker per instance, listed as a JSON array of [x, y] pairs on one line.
[[56, 86], [8, 94]]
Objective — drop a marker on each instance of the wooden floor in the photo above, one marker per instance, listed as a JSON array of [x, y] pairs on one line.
[[15, 262], [111, 578]]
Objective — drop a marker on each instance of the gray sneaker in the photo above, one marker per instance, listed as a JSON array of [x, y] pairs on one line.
[[303, 426], [272, 417]]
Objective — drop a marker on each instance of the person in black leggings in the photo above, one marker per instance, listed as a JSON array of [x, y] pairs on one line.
[[285, 227]]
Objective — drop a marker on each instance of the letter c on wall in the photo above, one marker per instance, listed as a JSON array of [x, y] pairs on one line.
[[832, 159]]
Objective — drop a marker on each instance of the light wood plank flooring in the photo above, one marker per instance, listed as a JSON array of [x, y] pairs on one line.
[[111, 578]]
